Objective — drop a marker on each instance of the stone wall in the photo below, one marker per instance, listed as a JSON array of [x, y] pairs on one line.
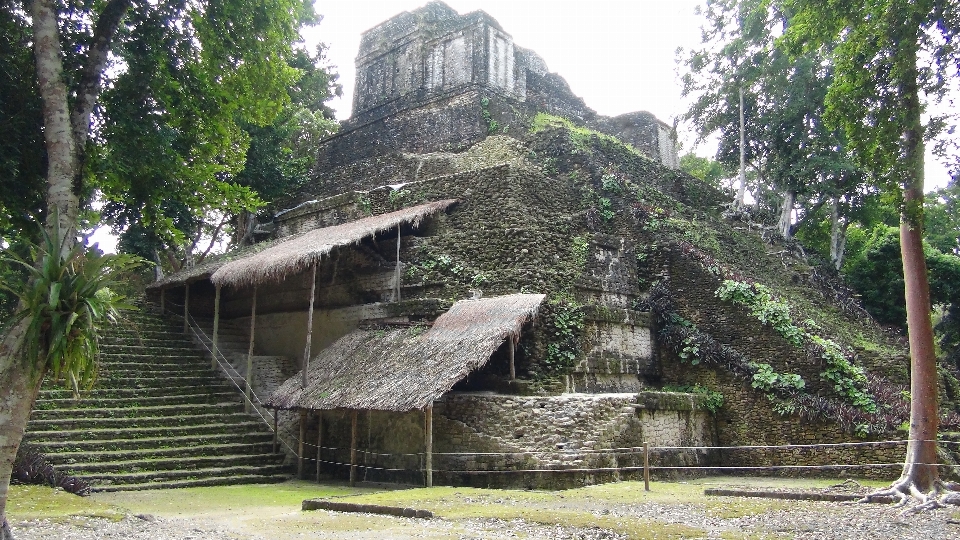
[[479, 432], [747, 417]]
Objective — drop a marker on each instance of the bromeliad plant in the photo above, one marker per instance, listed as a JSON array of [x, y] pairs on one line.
[[66, 295]]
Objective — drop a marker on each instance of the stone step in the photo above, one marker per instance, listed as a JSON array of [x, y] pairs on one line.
[[127, 392], [158, 417], [109, 456], [140, 422], [182, 442], [137, 412], [112, 479], [155, 381], [144, 371], [196, 482], [151, 357], [93, 434], [162, 364], [174, 464], [142, 401]]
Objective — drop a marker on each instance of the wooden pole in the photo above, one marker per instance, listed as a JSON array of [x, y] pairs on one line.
[[306, 347], [428, 443], [186, 308], [646, 467], [249, 375], [303, 435], [397, 273], [353, 447], [319, 442], [513, 369], [276, 433], [216, 328]]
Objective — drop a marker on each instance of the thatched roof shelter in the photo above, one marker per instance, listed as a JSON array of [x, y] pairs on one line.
[[211, 264], [297, 254], [401, 369]]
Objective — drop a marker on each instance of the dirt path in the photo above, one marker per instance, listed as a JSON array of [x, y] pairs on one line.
[[612, 511]]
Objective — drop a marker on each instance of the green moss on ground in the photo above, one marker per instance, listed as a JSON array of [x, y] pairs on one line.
[[36, 502]]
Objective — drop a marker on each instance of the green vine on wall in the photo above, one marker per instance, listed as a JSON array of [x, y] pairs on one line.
[[565, 330], [710, 400], [492, 125], [849, 381]]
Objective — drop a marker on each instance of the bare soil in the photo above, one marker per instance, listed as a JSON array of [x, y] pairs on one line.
[[611, 511]]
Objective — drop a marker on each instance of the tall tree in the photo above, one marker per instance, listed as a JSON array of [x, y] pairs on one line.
[[877, 98], [210, 62], [741, 77]]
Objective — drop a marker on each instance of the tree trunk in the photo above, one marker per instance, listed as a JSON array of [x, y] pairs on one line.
[[838, 235], [62, 199], [64, 136], [920, 476], [921, 462], [20, 381], [786, 213], [742, 190]]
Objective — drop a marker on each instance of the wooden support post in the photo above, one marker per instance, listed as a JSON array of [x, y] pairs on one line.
[[353, 447], [248, 390], [303, 435], [646, 467], [513, 369], [396, 278], [186, 308], [428, 443], [306, 348], [163, 301], [216, 329], [276, 432], [319, 442]]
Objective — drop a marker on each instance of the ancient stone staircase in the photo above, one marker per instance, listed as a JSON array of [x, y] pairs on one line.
[[157, 417]]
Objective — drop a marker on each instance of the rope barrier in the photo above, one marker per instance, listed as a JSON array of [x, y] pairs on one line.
[[222, 363], [560, 453]]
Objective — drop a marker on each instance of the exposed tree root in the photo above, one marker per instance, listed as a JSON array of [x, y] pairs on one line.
[[906, 494], [849, 482]]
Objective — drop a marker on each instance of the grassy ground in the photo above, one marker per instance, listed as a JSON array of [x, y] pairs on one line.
[[273, 511]]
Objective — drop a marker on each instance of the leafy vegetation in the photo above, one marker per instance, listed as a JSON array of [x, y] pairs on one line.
[[68, 295], [711, 400], [565, 329], [849, 380]]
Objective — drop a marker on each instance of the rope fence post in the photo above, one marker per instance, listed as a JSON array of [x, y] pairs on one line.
[[353, 447], [646, 467], [428, 444], [303, 435], [319, 442]]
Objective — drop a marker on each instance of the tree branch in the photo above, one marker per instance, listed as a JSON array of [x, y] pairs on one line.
[[213, 239], [806, 216], [88, 89]]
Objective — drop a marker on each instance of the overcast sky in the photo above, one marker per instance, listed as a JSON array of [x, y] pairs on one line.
[[618, 55]]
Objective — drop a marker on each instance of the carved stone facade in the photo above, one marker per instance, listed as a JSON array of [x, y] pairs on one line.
[[433, 80]]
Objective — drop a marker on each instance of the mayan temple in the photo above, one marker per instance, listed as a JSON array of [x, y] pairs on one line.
[[488, 283]]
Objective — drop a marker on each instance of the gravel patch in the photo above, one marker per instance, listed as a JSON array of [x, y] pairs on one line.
[[794, 519]]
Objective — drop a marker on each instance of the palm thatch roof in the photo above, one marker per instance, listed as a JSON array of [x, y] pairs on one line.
[[297, 254], [401, 369], [209, 265]]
